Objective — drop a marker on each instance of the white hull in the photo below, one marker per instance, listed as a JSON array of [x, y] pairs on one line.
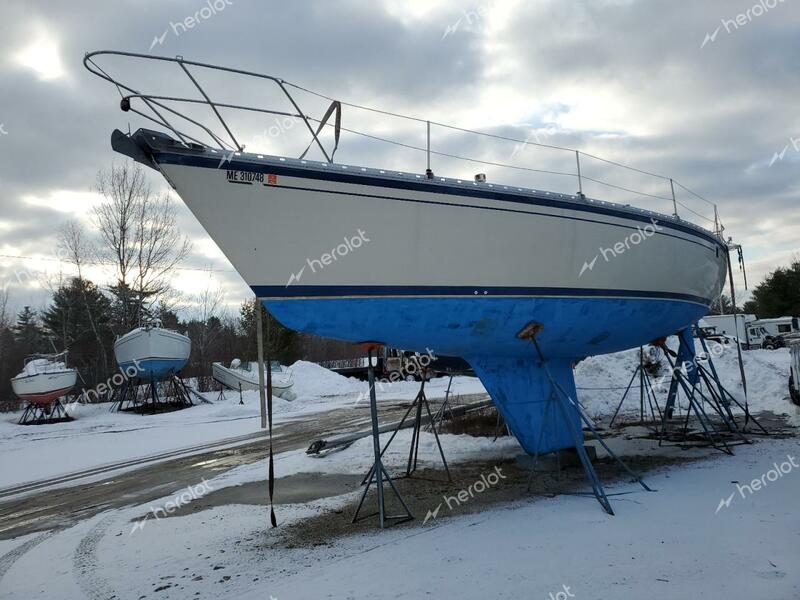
[[419, 238], [248, 380], [152, 344], [44, 387]]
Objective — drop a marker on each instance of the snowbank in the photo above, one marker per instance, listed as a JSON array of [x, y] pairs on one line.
[[313, 381], [601, 380]]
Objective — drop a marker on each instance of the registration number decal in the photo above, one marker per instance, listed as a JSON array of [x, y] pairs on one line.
[[245, 177]]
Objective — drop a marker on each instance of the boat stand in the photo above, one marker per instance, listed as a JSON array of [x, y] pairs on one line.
[[566, 405], [646, 392], [444, 410], [221, 395], [702, 387], [420, 401], [40, 414], [377, 473], [144, 396]]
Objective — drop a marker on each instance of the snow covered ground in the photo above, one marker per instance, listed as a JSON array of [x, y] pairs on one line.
[[703, 534], [680, 542], [98, 437]]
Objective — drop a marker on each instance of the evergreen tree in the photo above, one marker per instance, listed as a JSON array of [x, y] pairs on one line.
[[284, 344], [28, 334], [779, 294], [722, 306], [11, 359], [130, 308], [80, 314]]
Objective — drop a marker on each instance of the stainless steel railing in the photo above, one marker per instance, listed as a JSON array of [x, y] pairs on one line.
[[166, 111]]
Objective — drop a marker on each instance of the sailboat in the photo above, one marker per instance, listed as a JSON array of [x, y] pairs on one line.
[[485, 267], [150, 352], [44, 379]]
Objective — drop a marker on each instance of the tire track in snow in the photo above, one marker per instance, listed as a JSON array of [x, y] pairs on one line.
[[9, 558], [85, 563]]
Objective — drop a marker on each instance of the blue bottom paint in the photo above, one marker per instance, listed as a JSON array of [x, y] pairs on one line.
[[483, 331], [686, 361], [153, 368], [522, 392]]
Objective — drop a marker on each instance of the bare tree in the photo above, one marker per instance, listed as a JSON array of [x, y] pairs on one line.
[[78, 250], [209, 302], [5, 320], [139, 237]]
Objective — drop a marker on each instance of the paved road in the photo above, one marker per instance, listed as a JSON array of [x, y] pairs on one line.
[[138, 481]]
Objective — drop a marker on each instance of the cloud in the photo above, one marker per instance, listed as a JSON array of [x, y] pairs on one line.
[[625, 80]]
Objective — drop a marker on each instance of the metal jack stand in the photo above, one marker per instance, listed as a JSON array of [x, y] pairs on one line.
[[693, 380], [721, 395], [39, 414], [378, 473], [221, 395], [419, 402], [441, 414], [566, 404], [151, 395], [646, 391]]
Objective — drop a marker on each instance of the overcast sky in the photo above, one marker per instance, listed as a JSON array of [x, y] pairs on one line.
[[705, 92]]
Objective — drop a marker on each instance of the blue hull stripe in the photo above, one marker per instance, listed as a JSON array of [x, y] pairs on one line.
[[424, 186], [339, 291], [155, 367]]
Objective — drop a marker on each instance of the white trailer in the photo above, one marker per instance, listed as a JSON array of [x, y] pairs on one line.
[[732, 326], [780, 325], [766, 333]]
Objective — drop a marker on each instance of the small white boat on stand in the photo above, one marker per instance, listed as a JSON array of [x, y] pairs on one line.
[[151, 359], [151, 352], [244, 376], [44, 380]]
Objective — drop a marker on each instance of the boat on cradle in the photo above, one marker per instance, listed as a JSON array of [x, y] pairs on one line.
[[244, 376], [44, 379], [151, 352], [480, 261]]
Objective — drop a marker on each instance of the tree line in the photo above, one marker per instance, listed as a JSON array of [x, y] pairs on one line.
[[137, 236]]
